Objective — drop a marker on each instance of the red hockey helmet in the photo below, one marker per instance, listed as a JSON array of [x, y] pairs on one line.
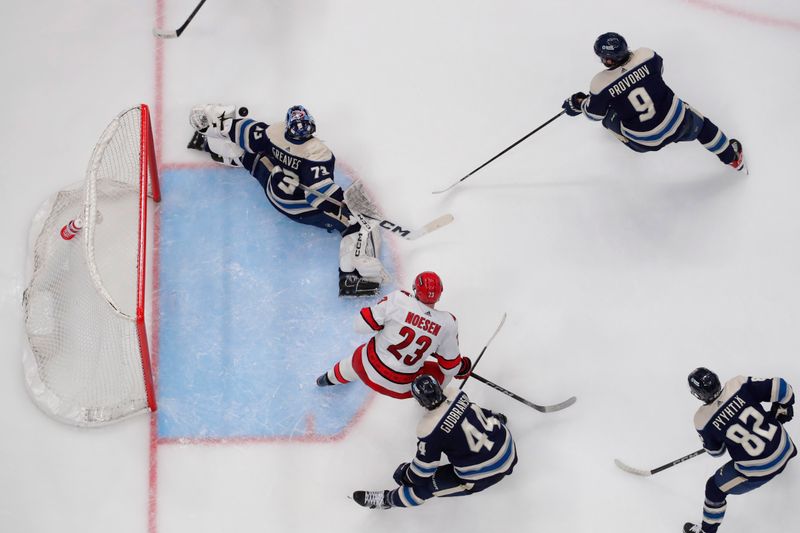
[[428, 287]]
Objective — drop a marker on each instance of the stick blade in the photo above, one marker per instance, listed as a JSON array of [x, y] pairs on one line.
[[433, 225], [559, 406], [631, 470], [164, 34]]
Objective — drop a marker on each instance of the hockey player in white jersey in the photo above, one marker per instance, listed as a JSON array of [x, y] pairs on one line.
[[478, 446], [733, 420], [296, 171], [411, 338]]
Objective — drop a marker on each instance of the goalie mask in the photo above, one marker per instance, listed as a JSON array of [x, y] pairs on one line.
[[300, 125]]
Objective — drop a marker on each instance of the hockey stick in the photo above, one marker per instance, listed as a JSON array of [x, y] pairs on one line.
[[171, 34], [641, 472], [501, 153], [392, 227], [478, 360], [541, 408]]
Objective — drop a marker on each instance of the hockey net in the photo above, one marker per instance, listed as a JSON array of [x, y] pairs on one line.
[[88, 360]]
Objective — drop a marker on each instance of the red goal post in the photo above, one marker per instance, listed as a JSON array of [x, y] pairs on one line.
[[87, 362]]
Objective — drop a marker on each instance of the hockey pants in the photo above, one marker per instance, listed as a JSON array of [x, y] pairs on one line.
[[444, 483], [727, 480], [352, 369], [694, 127]]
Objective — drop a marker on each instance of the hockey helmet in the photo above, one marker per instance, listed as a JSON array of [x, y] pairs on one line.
[[428, 287], [427, 391], [612, 49], [704, 384], [300, 125]]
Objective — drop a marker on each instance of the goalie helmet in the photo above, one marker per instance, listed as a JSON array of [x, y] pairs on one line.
[[612, 49], [704, 384], [428, 287], [300, 125], [427, 391]]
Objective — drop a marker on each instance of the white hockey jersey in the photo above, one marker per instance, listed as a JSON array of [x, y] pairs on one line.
[[408, 334]]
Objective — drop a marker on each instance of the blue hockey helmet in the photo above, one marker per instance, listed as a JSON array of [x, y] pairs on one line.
[[612, 49], [704, 384], [427, 391], [300, 125]]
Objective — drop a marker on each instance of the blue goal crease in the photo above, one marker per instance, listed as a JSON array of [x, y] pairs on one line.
[[249, 315]]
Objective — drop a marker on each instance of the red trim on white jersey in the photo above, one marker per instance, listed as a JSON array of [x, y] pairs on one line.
[[448, 364], [366, 314]]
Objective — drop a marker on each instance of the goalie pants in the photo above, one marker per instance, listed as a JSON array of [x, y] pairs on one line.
[[444, 483], [366, 366], [318, 218], [694, 127], [728, 480]]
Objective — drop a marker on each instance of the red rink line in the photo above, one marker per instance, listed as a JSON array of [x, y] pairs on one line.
[[750, 16]]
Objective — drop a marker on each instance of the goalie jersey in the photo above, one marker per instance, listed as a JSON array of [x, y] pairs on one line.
[[636, 95], [289, 163], [475, 442], [736, 422]]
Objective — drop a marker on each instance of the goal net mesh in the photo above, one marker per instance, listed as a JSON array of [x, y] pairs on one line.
[[88, 362]]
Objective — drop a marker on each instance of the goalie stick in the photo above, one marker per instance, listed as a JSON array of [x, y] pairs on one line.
[[541, 408], [642, 472], [388, 225], [171, 34]]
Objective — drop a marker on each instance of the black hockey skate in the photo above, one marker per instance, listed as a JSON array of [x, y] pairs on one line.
[[688, 527], [352, 284], [324, 381], [375, 499], [198, 142]]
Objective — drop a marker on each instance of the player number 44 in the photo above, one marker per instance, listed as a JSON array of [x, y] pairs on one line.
[[477, 439]]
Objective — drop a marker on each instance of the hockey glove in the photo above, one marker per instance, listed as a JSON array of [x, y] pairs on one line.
[[501, 417], [782, 413], [465, 369], [401, 475], [572, 105]]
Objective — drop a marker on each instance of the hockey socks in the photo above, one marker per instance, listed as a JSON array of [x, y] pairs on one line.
[[716, 142]]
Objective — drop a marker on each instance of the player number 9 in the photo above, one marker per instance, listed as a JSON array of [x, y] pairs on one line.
[[642, 103]]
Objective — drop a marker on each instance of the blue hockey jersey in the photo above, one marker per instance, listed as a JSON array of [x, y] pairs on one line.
[[290, 162], [736, 422], [475, 442], [649, 112]]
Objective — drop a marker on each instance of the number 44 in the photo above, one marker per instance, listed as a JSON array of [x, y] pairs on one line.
[[477, 439]]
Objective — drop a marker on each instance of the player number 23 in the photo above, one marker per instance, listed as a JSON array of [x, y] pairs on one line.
[[423, 341], [642, 103]]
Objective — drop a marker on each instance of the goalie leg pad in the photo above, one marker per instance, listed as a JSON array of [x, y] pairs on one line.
[[359, 250], [224, 151]]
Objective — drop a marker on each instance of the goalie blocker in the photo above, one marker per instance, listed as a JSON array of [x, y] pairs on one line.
[[296, 171]]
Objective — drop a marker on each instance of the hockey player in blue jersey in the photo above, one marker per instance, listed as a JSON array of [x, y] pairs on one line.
[[633, 102], [296, 171], [732, 419], [476, 441]]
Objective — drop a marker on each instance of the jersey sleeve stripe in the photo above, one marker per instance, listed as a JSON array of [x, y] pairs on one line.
[[369, 318], [781, 391], [242, 133], [448, 364]]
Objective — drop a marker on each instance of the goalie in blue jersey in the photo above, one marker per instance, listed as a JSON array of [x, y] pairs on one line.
[[475, 441], [733, 420], [295, 169], [632, 101]]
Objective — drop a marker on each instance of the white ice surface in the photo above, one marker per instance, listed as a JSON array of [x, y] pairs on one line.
[[620, 272]]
